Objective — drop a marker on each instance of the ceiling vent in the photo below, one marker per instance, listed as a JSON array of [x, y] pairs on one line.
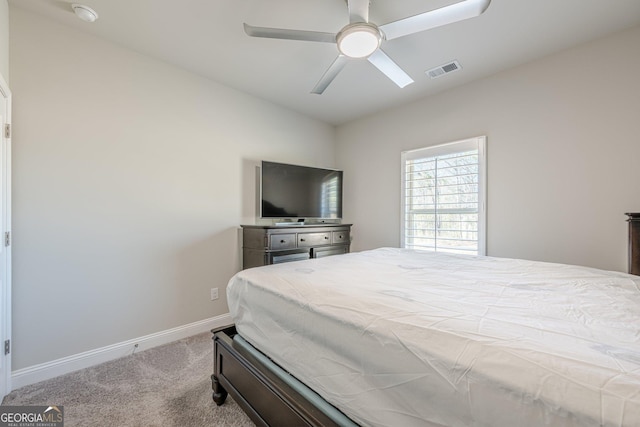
[[452, 66]]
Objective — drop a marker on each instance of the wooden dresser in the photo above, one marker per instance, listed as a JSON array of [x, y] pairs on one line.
[[634, 243], [266, 244]]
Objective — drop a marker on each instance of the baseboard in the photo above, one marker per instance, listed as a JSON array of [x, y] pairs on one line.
[[47, 370]]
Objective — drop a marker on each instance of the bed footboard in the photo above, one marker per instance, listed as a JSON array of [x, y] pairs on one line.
[[261, 393]]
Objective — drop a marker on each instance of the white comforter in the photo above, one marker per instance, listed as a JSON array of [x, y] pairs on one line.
[[400, 338]]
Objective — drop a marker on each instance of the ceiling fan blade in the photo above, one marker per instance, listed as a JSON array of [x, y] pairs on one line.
[[358, 10], [277, 33], [435, 18], [330, 74], [389, 68]]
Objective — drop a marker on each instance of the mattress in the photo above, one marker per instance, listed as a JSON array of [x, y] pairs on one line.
[[394, 337]]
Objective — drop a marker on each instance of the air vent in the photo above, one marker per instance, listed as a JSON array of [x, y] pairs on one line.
[[452, 66]]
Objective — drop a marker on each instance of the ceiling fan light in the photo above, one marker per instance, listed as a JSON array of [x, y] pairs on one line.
[[359, 40], [84, 12]]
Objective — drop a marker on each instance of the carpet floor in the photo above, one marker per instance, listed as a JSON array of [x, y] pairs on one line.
[[168, 385]]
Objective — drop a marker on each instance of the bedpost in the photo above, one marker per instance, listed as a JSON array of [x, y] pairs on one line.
[[219, 393], [634, 243]]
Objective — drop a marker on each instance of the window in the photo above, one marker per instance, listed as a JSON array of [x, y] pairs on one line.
[[329, 193], [443, 197]]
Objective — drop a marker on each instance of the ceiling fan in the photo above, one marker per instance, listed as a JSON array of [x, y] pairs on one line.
[[363, 39]]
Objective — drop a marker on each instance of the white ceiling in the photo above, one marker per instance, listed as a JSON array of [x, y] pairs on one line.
[[207, 38]]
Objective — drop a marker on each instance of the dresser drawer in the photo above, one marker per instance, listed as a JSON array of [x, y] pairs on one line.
[[306, 240], [282, 241], [340, 237], [288, 256], [328, 251]]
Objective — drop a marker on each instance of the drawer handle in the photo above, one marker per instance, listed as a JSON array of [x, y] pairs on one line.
[[326, 237], [283, 241], [302, 240], [340, 236]]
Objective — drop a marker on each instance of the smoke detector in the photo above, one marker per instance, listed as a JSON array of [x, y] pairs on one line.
[[84, 12]]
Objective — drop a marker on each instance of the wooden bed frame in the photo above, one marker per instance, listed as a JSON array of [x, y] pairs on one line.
[[266, 398], [634, 242]]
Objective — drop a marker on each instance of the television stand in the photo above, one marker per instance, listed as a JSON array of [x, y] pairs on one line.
[[273, 244]]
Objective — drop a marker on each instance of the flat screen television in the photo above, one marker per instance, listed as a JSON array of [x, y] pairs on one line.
[[302, 192]]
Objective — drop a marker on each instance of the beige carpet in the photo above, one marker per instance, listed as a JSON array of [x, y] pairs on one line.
[[164, 386]]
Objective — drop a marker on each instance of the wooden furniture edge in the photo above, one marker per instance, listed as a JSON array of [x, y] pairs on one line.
[[264, 397], [634, 243]]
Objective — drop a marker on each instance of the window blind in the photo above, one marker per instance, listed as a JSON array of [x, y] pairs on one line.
[[443, 198], [329, 197]]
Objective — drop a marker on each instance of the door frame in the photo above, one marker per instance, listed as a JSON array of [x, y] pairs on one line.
[[5, 243]]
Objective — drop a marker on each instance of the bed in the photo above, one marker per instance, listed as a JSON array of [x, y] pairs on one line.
[[393, 337]]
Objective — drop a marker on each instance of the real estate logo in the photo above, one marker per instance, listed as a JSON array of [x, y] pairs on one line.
[[31, 416]]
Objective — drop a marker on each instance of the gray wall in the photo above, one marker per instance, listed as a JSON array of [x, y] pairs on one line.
[[131, 177], [4, 39], [563, 155]]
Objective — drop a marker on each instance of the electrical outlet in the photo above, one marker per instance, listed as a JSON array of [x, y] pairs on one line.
[[214, 293]]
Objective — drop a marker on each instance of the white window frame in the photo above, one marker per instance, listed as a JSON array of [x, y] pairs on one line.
[[479, 143]]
